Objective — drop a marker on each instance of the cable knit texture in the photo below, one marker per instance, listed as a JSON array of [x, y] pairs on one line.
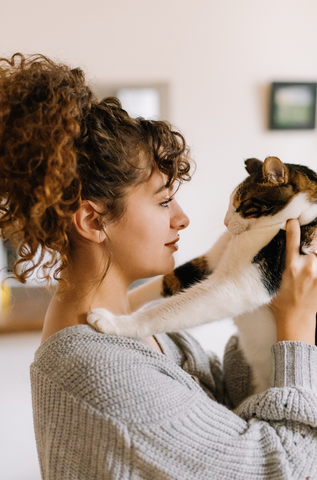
[[112, 408]]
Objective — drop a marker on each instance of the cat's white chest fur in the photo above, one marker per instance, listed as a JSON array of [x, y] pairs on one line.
[[257, 333]]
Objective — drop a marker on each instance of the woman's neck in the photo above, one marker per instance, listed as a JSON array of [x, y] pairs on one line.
[[88, 289], [110, 292]]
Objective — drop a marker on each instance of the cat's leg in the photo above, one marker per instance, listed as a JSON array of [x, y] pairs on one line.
[[234, 288], [257, 334], [213, 299]]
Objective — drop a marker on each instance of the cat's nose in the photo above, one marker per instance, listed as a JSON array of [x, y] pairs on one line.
[[226, 223]]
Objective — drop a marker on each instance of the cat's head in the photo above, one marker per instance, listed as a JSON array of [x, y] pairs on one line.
[[271, 194]]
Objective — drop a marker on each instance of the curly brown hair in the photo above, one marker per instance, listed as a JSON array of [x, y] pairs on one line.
[[59, 146]]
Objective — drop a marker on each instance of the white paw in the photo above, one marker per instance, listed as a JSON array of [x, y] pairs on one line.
[[103, 321]]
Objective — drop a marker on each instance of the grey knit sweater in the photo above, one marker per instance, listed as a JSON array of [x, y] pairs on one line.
[[109, 407]]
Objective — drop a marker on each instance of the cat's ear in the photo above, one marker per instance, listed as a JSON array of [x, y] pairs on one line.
[[274, 171], [253, 165]]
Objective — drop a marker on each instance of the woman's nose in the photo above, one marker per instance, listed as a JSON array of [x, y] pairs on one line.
[[179, 218]]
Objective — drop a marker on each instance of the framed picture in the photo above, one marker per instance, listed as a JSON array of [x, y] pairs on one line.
[[150, 101], [292, 106]]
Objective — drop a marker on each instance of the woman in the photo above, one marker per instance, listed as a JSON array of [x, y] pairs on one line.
[[94, 188]]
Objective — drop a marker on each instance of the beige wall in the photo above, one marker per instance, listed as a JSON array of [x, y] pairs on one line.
[[218, 57]]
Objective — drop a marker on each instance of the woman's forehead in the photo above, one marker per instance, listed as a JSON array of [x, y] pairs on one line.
[[157, 182]]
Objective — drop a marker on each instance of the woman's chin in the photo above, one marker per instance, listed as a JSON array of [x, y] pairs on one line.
[[169, 266], [162, 268]]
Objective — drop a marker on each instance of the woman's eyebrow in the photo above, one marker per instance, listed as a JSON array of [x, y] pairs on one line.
[[170, 188], [162, 188]]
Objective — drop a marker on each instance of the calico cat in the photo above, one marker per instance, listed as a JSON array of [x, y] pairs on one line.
[[240, 274]]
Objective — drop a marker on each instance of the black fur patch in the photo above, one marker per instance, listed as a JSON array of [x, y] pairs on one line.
[[185, 276], [189, 274], [271, 262]]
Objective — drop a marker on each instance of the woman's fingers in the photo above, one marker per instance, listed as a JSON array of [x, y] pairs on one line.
[[295, 304], [292, 240]]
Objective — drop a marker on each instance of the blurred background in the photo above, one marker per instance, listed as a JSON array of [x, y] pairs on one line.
[[204, 65]]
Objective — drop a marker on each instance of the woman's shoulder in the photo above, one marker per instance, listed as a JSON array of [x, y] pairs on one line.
[[116, 375], [84, 343], [82, 348], [82, 335]]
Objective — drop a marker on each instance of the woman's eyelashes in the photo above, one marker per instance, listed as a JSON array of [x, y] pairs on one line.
[[174, 190], [166, 202]]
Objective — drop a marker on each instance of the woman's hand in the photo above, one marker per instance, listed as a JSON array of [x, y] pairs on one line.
[[295, 305]]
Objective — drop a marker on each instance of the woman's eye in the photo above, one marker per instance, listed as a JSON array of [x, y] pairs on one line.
[[165, 204]]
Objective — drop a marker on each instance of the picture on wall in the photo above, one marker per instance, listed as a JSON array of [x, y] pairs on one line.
[[292, 106], [147, 100]]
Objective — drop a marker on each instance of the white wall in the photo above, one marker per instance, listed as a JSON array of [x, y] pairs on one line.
[[218, 57]]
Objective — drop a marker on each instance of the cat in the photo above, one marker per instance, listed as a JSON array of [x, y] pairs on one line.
[[240, 274]]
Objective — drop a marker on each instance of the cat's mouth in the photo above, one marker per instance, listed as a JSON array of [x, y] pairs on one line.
[[235, 228]]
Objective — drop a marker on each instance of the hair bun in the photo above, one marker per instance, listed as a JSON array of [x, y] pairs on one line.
[[42, 104]]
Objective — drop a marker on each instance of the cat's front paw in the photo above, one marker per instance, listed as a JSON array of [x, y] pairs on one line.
[[106, 322], [103, 321]]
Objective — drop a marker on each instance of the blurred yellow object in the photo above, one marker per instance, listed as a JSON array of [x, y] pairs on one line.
[[5, 296]]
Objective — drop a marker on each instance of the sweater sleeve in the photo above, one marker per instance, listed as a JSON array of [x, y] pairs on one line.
[[273, 435], [237, 374], [228, 384], [139, 416]]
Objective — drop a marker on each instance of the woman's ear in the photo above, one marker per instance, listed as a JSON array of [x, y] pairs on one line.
[[86, 221]]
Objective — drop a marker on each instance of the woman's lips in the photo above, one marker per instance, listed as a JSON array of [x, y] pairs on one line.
[[172, 245]]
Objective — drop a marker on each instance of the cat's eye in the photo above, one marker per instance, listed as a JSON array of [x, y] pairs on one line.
[[250, 207], [251, 210]]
